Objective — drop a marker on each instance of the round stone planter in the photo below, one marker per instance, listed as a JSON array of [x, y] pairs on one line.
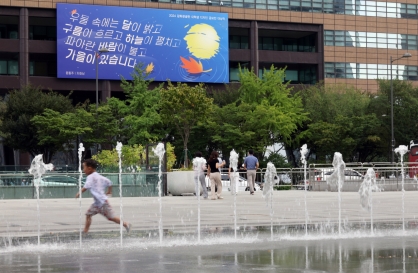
[[181, 183]]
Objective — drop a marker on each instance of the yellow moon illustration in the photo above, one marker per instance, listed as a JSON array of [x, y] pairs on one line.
[[202, 41]]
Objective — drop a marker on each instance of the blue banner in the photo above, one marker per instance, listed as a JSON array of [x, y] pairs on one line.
[[181, 46]]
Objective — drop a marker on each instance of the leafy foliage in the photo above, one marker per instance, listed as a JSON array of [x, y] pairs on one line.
[[405, 108], [54, 128], [277, 159], [132, 156], [171, 156], [265, 111], [20, 132], [184, 106], [141, 109], [340, 121]]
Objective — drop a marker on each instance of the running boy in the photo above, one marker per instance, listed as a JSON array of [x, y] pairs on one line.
[[97, 185]]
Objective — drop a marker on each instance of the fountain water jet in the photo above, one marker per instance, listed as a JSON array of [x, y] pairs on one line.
[[337, 178], [303, 153], [160, 151], [402, 150], [366, 193], [119, 151], [81, 149], [233, 161], [268, 191], [198, 162], [37, 169]]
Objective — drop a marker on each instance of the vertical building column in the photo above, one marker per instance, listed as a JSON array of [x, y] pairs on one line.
[[320, 49], [254, 46], [106, 91], [24, 47]]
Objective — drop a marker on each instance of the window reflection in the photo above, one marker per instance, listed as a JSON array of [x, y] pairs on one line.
[[286, 41], [294, 73], [349, 7], [370, 39], [370, 71]]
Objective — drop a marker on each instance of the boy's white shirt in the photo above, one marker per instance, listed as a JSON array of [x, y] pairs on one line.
[[97, 185]]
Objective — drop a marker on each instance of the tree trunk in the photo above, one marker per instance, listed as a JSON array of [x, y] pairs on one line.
[[186, 161], [185, 141]]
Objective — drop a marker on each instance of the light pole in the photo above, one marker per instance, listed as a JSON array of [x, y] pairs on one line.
[[98, 53], [406, 55]]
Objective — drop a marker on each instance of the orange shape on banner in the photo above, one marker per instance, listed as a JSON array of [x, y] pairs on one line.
[[192, 66], [149, 68]]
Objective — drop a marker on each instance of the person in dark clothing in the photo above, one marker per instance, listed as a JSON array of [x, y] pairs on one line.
[[215, 176]]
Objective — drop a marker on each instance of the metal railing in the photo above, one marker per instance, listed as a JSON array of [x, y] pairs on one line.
[[15, 185], [65, 185]]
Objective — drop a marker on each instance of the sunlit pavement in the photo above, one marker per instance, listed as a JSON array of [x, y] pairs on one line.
[[19, 217]]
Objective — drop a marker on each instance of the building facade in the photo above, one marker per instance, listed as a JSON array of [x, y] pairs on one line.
[[335, 41], [338, 41]]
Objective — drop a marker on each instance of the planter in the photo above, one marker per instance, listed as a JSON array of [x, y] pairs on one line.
[[181, 183]]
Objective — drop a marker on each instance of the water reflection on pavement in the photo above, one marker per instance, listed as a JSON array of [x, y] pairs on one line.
[[360, 255]]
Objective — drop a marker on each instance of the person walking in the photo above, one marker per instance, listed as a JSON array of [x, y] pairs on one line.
[[251, 165], [214, 175], [97, 184], [199, 174]]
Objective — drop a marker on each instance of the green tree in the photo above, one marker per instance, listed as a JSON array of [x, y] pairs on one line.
[[18, 130], [184, 106], [105, 123], [132, 156], [90, 125], [266, 111], [340, 121], [57, 129], [405, 117], [141, 109]]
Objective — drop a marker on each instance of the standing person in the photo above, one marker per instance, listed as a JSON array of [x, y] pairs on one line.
[[214, 175], [97, 185], [199, 175], [251, 165]]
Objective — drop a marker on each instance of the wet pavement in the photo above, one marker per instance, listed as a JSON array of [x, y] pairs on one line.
[[388, 249], [359, 255]]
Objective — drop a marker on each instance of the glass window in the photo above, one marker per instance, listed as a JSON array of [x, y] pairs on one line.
[[42, 64], [13, 68], [42, 28], [31, 68], [238, 38], [244, 42], [370, 71], [317, 7], [284, 4], [234, 42], [291, 75], [9, 26], [3, 67], [233, 74]]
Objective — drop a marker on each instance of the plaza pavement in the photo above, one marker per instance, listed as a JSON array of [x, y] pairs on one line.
[[180, 213]]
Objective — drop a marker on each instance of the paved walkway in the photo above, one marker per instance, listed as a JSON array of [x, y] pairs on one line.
[[19, 217]]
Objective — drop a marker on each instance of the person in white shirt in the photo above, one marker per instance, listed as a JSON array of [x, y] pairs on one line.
[[199, 175], [97, 185]]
